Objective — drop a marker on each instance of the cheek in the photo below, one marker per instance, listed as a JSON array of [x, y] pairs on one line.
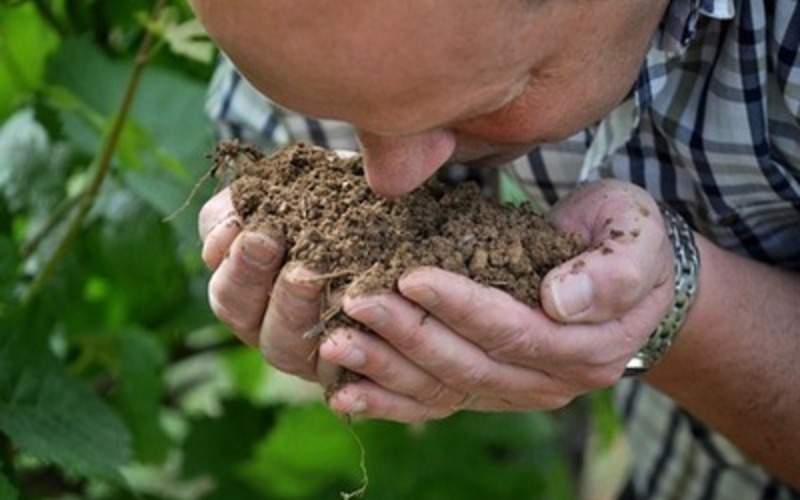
[[528, 119], [504, 130], [545, 113]]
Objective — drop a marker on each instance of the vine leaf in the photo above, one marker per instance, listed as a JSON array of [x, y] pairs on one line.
[[189, 39], [51, 415]]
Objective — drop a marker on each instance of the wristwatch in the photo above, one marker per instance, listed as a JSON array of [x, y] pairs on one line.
[[687, 268]]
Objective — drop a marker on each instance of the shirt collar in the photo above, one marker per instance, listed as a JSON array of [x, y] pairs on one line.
[[677, 31], [679, 26]]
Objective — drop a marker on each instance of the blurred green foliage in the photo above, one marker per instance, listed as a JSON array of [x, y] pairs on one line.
[[115, 379]]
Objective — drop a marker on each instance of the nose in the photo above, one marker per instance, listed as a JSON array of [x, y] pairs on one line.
[[395, 166]]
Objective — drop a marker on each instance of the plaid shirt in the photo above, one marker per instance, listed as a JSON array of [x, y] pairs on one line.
[[712, 128]]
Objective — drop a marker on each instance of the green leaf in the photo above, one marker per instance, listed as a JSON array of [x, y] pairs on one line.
[[81, 125], [89, 75], [48, 413], [510, 191], [309, 452], [605, 418], [189, 39], [168, 105], [9, 262], [25, 44], [248, 371], [469, 455], [133, 249], [162, 150], [140, 387], [25, 179], [217, 446]]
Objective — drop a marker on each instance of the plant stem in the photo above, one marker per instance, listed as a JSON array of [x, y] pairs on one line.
[[103, 163], [61, 211]]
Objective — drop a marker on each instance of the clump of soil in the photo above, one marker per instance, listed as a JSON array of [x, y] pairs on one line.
[[319, 205]]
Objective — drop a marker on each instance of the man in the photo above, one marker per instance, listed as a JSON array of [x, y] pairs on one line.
[[624, 103]]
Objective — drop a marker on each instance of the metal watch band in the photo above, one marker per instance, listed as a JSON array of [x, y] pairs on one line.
[[687, 267]]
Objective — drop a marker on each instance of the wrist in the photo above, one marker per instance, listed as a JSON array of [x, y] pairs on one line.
[[687, 271]]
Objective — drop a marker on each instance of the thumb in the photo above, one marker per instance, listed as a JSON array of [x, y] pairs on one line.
[[630, 257]]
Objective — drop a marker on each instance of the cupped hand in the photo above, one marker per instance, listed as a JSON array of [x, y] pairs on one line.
[[444, 343], [266, 303]]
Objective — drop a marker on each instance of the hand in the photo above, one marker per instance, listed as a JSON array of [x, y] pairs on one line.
[[444, 341], [264, 302]]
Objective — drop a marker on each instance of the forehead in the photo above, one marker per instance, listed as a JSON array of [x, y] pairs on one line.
[[381, 61]]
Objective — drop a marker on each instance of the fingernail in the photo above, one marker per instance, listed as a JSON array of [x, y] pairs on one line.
[[369, 312], [572, 294], [354, 357], [357, 406], [344, 350], [349, 403], [259, 250], [301, 282], [423, 295], [231, 220]]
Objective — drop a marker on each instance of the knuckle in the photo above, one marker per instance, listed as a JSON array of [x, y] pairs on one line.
[[515, 343], [473, 309], [284, 362], [626, 277], [468, 379], [378, 368], [623, 286], [227, 288], [437, 395], [292, 313], [241, 322], [412, 339]]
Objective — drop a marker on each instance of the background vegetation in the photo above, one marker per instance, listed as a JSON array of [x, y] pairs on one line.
[[115, 380]]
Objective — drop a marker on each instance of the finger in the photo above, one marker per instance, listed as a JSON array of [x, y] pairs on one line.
[[488, 317], [630, 256], [293, 311], [214, 211], [239, 288], [510, 332], [218, 242], [218, 225], [365, 398], [452, 358], [369, 356]]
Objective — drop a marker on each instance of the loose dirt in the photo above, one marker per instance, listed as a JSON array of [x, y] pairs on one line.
[[319, 205]]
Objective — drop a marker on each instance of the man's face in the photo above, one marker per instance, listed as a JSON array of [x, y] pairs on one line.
[[425, 82]]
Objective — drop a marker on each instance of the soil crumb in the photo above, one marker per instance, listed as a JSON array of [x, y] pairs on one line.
[[319, 205]]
